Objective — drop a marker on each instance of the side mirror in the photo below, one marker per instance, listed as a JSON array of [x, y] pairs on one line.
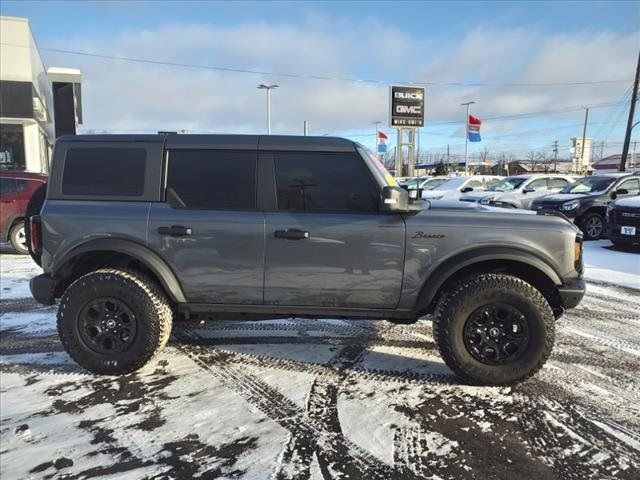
[[395, 200], [528, 190], [621, 191], [467, 189]]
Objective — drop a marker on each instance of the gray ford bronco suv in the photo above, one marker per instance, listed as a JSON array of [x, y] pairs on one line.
[[136, 231]]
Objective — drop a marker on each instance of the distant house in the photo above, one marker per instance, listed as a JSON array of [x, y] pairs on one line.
[[612, 163]]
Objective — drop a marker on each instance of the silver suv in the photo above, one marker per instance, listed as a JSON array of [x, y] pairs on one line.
[[520, 191], [137, 231]]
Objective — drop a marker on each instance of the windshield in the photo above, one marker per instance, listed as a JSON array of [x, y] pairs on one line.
[[451, 183], [506, 185], [431, 183], [373, 159], [589, 185]]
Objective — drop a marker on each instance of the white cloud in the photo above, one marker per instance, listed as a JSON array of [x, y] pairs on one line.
[[129, 96]]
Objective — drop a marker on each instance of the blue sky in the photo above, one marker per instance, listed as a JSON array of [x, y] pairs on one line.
[[452, 42]]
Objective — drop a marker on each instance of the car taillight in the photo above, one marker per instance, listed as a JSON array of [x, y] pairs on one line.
[[35, 234]]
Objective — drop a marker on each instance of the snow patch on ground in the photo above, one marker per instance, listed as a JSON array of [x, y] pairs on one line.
[[14, 270], [605, 264]]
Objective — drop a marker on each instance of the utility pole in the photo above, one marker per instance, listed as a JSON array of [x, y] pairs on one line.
[[305, 130], [268, 88], [466, 135], [584, 136], [555, 156], [632, 111]]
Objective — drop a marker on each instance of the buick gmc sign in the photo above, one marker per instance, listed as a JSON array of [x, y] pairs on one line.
[[407, 106]]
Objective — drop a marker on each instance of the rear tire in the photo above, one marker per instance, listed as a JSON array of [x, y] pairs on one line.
[[494, 329], [113, 321], [18, 238]]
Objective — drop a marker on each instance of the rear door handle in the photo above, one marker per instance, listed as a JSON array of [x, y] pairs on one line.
[[291, 234], [175, 231]]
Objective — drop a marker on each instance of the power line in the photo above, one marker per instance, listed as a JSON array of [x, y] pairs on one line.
[[316, 77]]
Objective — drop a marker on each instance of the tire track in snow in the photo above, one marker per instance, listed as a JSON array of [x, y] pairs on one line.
[[348, 460]]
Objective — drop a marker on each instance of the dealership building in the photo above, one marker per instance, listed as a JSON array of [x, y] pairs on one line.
[[37, 104]]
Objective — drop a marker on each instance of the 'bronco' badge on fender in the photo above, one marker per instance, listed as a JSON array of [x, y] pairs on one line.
[[421, 234]]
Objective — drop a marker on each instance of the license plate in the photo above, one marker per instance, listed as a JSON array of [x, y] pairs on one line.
[[628, 230]]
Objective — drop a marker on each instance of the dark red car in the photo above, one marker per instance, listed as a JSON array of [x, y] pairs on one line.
[[16, 189]]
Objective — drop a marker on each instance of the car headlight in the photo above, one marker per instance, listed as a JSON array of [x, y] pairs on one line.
[[570, 205]]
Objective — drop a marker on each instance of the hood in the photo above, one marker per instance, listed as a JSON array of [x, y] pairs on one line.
[[468, 214], [565, 197], [474, 207], [632, 202], [476, 196]]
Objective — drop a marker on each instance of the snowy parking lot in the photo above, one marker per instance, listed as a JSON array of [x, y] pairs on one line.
[[320, 399]]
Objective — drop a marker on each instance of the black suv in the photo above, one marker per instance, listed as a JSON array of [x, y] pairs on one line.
[[623, 222], [585, 202]]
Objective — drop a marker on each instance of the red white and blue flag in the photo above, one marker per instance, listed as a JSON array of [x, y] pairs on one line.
[[473, 127]]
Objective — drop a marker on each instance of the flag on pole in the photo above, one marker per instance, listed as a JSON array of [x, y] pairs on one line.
[[473, 127], [382, 136]]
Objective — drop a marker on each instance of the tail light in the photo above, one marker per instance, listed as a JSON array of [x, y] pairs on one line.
[[35, 234]]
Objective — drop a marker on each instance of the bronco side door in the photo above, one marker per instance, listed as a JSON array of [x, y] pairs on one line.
[[209, 229], [327, 242]]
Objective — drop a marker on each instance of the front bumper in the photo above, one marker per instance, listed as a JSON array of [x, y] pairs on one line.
[[572, 293], [42, 288], [614, 233]]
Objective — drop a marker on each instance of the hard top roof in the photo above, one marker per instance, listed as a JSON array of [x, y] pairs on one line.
[[226, 142]]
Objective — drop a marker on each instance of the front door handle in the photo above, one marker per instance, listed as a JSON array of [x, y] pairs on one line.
[[175, 231], [291, 234]]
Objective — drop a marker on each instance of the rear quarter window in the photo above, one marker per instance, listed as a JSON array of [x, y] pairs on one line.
[[104, 171]]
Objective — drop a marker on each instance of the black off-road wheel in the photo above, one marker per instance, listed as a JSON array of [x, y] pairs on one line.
[[593, 226], [494, 329], [113, 321]]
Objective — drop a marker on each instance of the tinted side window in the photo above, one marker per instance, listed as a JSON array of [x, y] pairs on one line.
[[104, 171], [7, 185], [324, 182], [631, 186], [476, 182], [21, 185], [558, 182], [539, 184], [213, 179]]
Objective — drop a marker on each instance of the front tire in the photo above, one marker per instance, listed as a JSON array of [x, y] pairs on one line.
[[593, 225], [113, 321], [18, 238], [494, 329]]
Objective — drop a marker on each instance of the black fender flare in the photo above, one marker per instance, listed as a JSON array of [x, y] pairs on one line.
[[140, 252], [457, 262]]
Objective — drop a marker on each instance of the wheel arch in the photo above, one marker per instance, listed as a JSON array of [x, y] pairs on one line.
[[513, 261], [106, 252]]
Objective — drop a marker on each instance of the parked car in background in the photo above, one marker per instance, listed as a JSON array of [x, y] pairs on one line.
[[623, 221], [585, 201], [453, 188], [423, 183], [520, 191], [16, 189]]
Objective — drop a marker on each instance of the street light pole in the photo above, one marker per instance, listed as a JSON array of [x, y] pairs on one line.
[[268, 88], [466, 135]]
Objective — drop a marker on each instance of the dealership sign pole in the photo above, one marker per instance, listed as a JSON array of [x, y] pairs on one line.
[[407, 114]]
